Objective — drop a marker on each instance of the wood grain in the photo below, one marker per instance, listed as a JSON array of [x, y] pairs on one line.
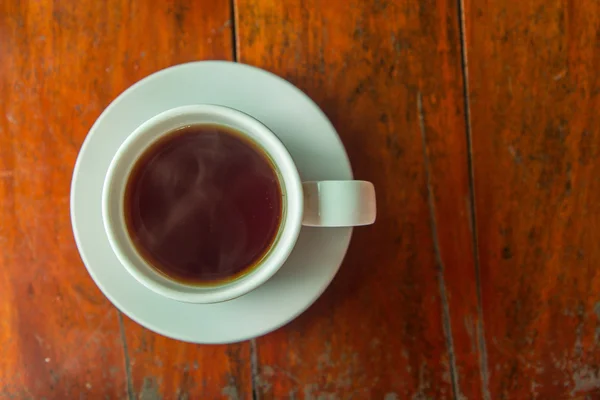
[[401, 319], [534, 89], [161, 367], [61, 63], [170, 369], [54, 319]]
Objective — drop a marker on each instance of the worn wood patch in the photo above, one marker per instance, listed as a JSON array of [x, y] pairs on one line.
[[170, 369]]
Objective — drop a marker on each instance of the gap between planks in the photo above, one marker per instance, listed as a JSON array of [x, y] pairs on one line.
[[446, 323], [483, 362], [130, 391]]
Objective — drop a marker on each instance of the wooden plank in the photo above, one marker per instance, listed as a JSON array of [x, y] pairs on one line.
[[61, 63], [54, 319], [534, 88], [401, 317], [160, 367]]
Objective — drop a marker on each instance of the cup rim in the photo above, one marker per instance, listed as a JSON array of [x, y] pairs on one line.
[[138, 142]]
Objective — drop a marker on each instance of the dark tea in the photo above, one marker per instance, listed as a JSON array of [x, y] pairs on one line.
[[203, 205]]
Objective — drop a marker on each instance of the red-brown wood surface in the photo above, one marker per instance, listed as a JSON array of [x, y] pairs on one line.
[[61, 63], [400, 320], [405, 317], [534, 90]]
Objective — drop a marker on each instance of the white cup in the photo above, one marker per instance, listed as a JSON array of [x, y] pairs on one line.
[[325, 203]]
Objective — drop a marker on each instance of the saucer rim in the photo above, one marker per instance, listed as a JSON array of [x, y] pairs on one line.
[[262, 330]]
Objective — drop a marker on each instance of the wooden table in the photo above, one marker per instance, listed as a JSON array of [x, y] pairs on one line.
[[477, 121]]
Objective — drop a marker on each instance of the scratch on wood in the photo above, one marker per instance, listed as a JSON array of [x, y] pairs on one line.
[[560, 75], [130, 391], [254, 369], [516, 155], [436, 246], [10, 118], [82, 293], [483, 361], [284, 372]]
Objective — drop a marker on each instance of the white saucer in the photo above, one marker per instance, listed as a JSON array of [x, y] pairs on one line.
[[312, 142]]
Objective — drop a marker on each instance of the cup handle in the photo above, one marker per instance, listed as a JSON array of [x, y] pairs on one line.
[[339, 203]]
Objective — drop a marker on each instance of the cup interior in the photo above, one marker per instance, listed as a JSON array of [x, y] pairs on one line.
[[113, 204]]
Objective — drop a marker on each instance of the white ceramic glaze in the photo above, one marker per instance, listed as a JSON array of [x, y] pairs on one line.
[[143, 138], [317, 153], [339, 203]]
